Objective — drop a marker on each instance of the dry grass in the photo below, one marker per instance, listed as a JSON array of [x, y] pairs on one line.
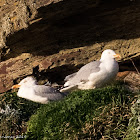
[[110, 124]]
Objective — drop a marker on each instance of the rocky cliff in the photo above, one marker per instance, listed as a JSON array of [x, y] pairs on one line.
[[52, 38]]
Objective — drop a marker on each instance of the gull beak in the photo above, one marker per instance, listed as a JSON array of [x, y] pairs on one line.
[[15, 86], [117, 56]]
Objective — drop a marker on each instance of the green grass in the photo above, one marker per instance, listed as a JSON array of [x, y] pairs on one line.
[[133, 132], [89, 114]]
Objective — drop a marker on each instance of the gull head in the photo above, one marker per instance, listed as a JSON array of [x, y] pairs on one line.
[[109, 54], [28, 81]]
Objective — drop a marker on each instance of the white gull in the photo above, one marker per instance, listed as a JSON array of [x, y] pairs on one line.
[[94, 74], [29, 89]]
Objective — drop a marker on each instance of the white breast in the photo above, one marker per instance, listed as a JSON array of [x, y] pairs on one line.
[[28, 93], [107, 73]]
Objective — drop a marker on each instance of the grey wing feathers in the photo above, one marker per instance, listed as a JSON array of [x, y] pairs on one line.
[[85, 71], [48, 92], [70, 76], [89, 68]]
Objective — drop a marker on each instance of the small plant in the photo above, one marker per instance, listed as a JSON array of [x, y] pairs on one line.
[[14, 113]]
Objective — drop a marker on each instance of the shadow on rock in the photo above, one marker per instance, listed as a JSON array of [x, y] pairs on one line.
[[76, 23]]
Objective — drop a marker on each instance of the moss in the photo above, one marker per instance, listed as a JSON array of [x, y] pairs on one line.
[[65, 119]]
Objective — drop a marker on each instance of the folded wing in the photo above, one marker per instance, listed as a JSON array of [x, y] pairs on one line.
[[50, 93], [83, 73]]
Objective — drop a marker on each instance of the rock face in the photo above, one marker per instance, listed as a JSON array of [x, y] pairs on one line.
[[132, 80], [52, 38]]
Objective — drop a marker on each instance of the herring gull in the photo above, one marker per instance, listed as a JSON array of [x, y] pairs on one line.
[[94, 74], [29, 89]]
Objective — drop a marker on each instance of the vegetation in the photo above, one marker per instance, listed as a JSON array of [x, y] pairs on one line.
[[90, 114], [14, 113], [133, 132]]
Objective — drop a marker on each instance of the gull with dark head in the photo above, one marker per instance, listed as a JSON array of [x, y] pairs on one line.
[[29, 89], [94, 74]]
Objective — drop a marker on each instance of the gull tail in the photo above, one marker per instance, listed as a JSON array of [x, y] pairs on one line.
[[68, 89]]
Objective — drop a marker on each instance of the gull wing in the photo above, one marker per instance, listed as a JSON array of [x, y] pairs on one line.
[[84, 72], [67, 78], [48, 92]]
